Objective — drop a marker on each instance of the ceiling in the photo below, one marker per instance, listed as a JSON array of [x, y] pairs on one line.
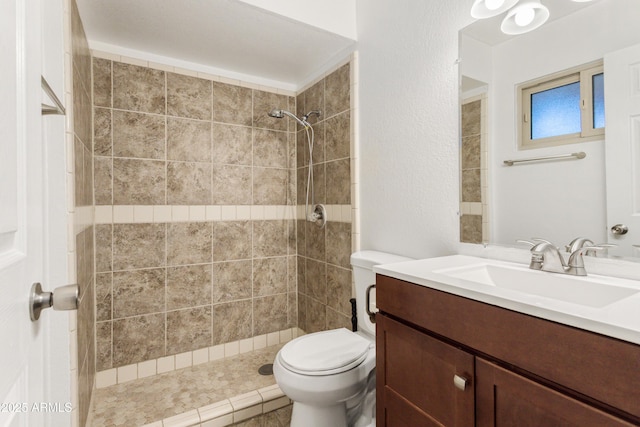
[[217, 36], [488, 30]]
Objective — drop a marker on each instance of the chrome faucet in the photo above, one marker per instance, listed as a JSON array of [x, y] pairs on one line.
[[547, 257], [591, 248]]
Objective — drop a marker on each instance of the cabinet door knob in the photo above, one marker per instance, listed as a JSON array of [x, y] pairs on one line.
[[460, 382]]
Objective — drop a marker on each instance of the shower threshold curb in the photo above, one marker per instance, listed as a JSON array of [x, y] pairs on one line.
[[229, 411]]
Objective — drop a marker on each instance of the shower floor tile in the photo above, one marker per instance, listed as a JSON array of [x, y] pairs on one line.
[[146, 400]]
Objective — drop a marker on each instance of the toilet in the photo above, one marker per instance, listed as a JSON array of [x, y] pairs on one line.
[[330, 375]]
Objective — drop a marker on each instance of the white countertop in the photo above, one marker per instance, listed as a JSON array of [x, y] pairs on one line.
[[620, 319]]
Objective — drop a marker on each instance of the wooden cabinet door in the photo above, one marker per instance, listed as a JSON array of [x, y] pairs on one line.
[[415, 379], [506, 399]]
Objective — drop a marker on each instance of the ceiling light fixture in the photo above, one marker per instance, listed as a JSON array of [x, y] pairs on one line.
[[525, 17], [482, 9]]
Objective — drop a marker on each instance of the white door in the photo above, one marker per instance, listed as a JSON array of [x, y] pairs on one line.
[[25, 347], [622, 100]]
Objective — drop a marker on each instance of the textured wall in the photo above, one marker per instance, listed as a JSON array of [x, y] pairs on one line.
[[409, 137]]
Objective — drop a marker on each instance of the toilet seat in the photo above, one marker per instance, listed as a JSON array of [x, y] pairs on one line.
[[325, 353]]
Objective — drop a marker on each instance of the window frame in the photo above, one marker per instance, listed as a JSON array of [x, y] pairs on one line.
[[582, 74]]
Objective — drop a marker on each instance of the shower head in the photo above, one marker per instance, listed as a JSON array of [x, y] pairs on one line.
[[316, 113], [279, 114], [275, 113]]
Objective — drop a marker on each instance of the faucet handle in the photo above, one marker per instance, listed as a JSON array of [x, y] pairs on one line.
[[604, 246], [578, 243], [528, 242], [539, 240], [575, 259]]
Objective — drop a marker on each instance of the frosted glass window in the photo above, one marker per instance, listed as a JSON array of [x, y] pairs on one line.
[[556, 111], [566, 107], [598, 100]]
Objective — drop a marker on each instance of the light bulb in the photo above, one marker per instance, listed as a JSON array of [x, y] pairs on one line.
[[493, 4], [524, 17]]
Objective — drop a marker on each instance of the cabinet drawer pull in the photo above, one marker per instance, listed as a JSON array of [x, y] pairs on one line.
[[460, 382]]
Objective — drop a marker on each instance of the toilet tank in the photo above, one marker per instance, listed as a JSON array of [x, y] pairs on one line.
[[363, 277]]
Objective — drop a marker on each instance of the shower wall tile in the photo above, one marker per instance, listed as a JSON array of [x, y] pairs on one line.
[[188, 140], [471, 152], [232, 104], [270, 314], [188, 286], [102, 144], [232, 145], [138, 135], [270, 238], [138, 88], [104, 248], [337, 93], [103, 180], [138, 338], [324, 279], [338, 137], [189, 243], [188, 329], [189, 97], [270, 148], [338, 180], [138, 292], [232, 240], [232, 321], [103, 346], [139, 182], [232, 281], [102, 82], [188, 183], [270, 186], [104, 295], [231, 185], [138, 246], [270, 276]]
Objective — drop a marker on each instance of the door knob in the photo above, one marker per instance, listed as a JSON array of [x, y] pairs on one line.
[[62, 298], [619, 229]]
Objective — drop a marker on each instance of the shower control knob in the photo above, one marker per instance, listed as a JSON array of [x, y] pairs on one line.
[[619, 229]]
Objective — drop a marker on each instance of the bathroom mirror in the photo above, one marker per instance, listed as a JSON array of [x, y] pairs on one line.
[[556, 200]]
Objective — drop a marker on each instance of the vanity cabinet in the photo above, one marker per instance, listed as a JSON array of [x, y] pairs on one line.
[[445, 360]]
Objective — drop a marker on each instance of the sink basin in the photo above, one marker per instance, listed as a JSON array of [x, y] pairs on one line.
[[583, 290]]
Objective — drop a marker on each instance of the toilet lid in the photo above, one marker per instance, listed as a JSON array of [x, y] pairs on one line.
[[325, 353]]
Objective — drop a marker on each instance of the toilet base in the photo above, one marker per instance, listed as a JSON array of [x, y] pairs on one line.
[[319, 416]]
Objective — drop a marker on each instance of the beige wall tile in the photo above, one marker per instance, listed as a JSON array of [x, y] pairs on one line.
[[269, 276], [189, 243], [339, 289], [263, 103], [188, 140], [337, 91], [316, 280], [188, 329], [104, 294], [338, 136], [138, 88], [101, 82], [138, 246], [136, 339], [338, 243], [232, 144], [102, 145], [188, 97], [270, 148], [270, 238], [138, 292], [188, 286], [139, 182], [270, 186], [232, 240], [103, 180], [270, 314], [232, 322], [470, 115], [188, 183], [232, 104], [470, 188], [231, 185], [232, 281], [138, 135]]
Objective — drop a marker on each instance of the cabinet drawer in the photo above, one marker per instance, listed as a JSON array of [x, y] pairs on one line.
[[505, 399], [419, 369], [600, 370]]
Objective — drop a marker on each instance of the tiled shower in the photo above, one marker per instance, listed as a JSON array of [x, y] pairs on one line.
[[198, 194]]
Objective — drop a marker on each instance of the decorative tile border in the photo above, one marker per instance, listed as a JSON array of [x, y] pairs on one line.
[[126, 214], [161, 365], [230, 411]]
